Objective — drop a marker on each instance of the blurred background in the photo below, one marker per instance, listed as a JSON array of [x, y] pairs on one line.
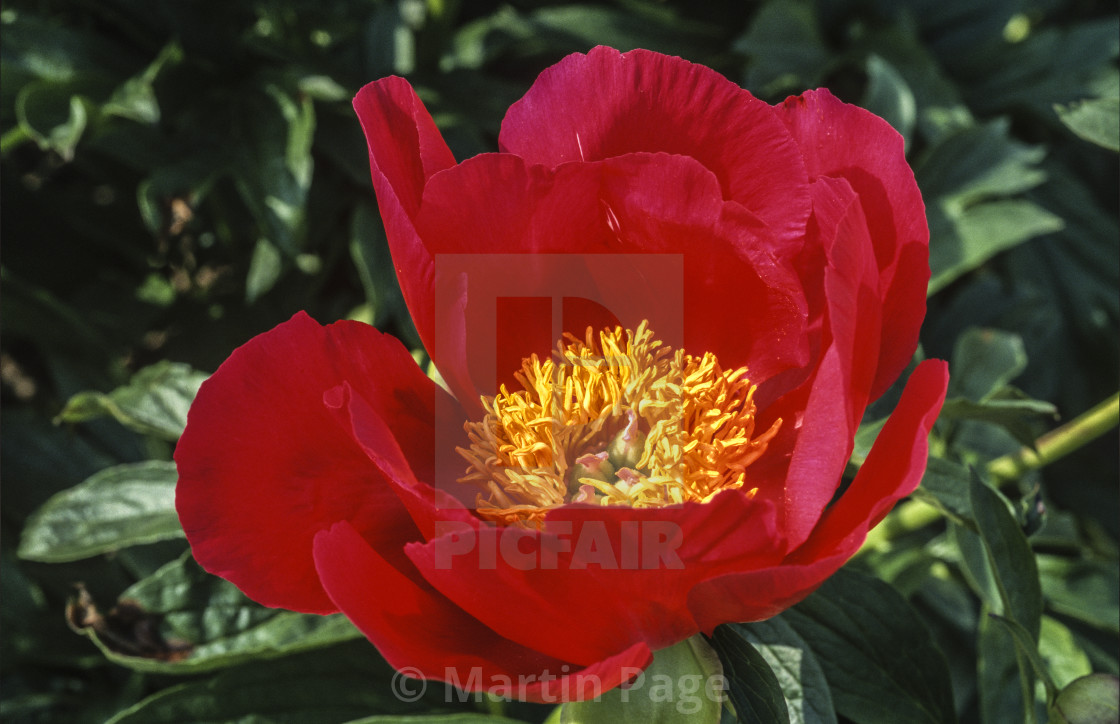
[[178, 176]]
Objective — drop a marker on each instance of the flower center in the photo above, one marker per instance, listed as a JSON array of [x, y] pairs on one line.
[[622, 420]]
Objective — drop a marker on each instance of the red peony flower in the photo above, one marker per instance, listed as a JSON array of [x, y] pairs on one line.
[[766, 267]]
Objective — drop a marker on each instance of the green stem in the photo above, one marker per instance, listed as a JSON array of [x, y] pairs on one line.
[[914, 514], [1060, 442]]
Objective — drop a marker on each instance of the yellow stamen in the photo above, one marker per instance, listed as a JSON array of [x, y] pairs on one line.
[[626, 421]]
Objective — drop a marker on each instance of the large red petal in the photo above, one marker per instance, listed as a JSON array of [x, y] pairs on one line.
[[603, 104], [841, 140], [644, 235], [405, 151], [263, 464], [423, 634]]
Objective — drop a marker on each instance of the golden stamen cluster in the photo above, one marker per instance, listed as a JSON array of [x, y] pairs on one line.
[[624, 421]]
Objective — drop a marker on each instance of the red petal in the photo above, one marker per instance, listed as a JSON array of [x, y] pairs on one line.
[[263, 465], [603, 104], [602, 578], [840, 140], [619, 233], [839, 388], [892, 470], [405, 151], [424, 635], [758, 594]]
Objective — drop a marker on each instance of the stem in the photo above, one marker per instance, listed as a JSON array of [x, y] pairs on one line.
[[914, 514], [1060, 442]]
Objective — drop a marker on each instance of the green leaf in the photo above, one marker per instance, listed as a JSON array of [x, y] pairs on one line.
[[1096, 120], [1009, 408], [434, 719], [337, 685], [1024, 74], [1087, 590], [963, 240], [880, 660], [136, 98], [264, 270], [976, 164], [752, 683], [984, 361], [945, 485], [800, 677], [1027, 646], [154, 402], [999, 672], [206, 623], [586, 25], [785, 50], [122, 506], [54, 116], [1010, 556], [1065, 660], [683, 684], [889, 97]]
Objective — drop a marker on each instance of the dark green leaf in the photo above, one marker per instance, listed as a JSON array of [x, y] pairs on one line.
[[122, 506], [1000, 671], [753, 687], [878, 656], [1027, 646], [586, 25], [337, 685], [54, 116], [205, 623], [785, 50], [155, 401], [803, 684], [1010, 555], [945, 484]]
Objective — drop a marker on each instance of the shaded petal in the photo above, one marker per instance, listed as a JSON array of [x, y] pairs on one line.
[[845, 141], [419, 631], [603, 104], [839, 388], [430, 506], [263, 464]]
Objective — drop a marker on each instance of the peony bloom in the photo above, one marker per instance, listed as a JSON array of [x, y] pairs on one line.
[[551, 522]]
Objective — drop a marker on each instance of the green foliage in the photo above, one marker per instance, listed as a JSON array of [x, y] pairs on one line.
[[177, 177]]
